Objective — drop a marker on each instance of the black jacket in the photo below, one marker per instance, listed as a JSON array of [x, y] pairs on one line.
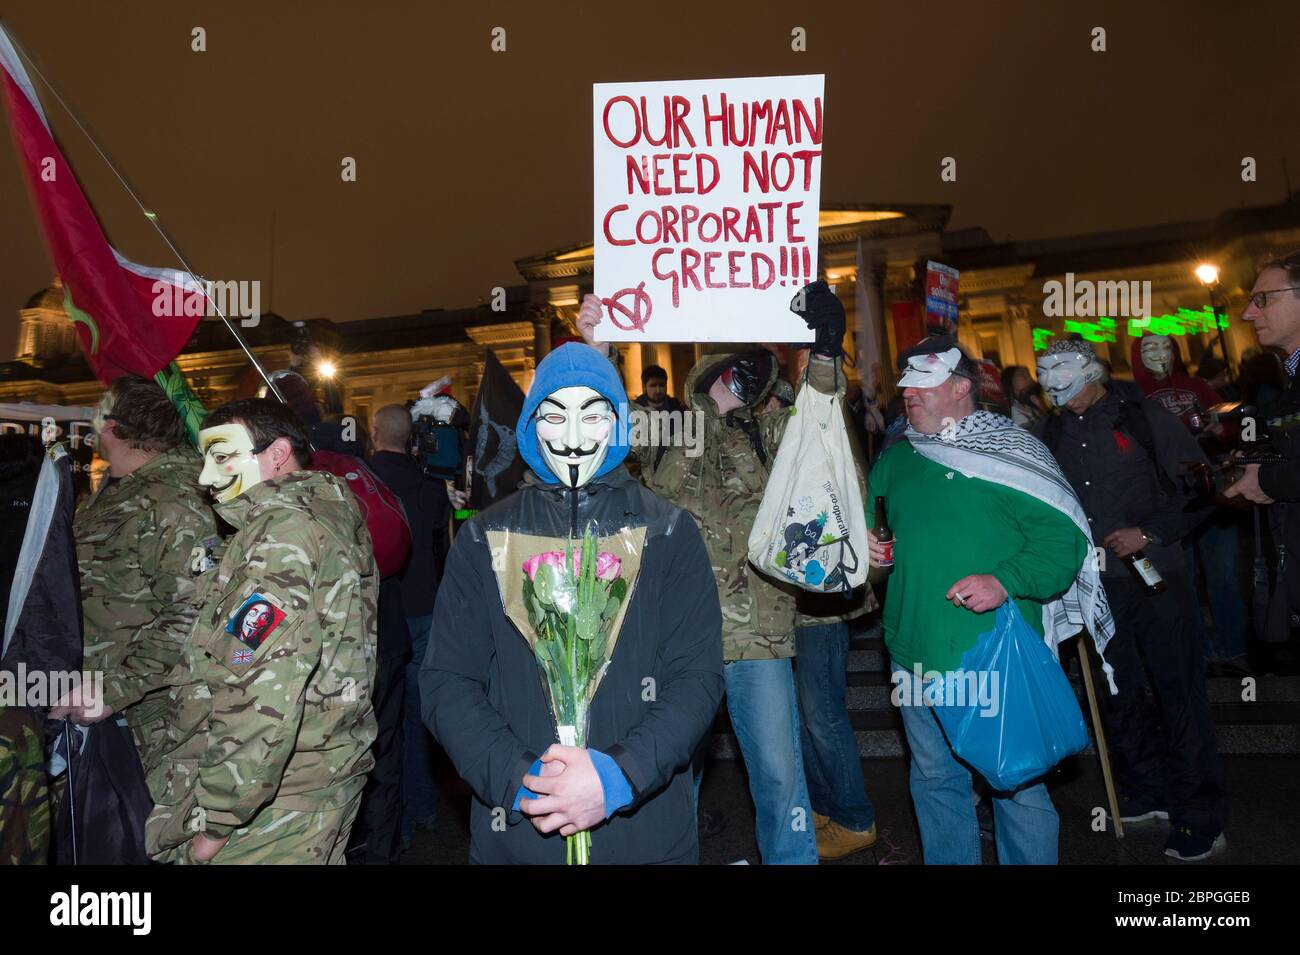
[[1119, 481], [427, 513], [1281, 482], [482, 689]]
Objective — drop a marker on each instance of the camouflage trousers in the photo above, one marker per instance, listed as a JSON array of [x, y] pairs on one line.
[[285, 837], [24, 788]]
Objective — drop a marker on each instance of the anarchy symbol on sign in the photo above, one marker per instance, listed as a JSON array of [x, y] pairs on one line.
[[636, 321]]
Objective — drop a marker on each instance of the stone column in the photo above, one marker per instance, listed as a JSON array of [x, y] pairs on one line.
[[541, 319], [1022, 335], [875, 317], [633, 362]]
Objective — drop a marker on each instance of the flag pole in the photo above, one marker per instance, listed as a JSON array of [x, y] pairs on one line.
[[151, 216], [72, 789]]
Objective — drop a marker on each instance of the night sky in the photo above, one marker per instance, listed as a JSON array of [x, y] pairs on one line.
[[469, 159]]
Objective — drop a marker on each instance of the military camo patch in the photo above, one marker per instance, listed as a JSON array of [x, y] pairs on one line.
[[254, 621]]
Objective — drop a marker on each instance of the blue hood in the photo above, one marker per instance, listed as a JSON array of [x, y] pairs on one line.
[[570, 365]]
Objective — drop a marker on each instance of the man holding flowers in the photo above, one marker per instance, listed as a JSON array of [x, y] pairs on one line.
[[575, 661]]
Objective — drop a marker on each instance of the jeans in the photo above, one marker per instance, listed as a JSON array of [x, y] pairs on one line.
[[1216, 543], [419, 791], [1025, 822], [765, 716], [830, 749]]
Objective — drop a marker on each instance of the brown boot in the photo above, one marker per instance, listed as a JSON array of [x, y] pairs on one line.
[[837, 842], [819, 820]]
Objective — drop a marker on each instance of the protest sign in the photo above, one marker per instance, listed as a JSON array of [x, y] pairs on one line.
[[706, 207], [940, 293], [909, 327], [991, 393]]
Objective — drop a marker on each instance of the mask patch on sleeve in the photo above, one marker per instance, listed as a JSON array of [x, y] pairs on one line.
[[254, 621]]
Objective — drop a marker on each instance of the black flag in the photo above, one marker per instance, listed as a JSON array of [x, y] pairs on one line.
[[496, 467], [42, 625]]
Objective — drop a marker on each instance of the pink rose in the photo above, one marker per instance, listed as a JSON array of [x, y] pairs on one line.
[[607, 566], [552, 557]]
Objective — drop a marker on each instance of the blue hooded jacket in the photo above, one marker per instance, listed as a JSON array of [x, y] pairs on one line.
[[571, 365]]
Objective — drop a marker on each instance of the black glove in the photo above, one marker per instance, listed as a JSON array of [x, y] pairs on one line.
[[824, 313]]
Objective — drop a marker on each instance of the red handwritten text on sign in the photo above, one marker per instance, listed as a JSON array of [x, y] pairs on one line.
[[707, 192]]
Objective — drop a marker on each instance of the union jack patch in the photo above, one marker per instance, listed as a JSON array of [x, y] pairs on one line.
[[242, 657]]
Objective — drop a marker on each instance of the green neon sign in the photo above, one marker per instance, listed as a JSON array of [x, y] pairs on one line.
[[1103, 330], [1184, 321]]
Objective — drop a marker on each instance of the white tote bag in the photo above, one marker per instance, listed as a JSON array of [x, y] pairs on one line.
[[811, 528]]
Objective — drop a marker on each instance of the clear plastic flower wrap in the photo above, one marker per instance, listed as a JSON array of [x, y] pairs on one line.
[[568, 597]]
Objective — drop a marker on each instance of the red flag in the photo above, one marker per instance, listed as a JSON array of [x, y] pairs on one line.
[[129, 318]]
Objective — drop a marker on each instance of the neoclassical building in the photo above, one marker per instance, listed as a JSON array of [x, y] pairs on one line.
[[1006, 308]]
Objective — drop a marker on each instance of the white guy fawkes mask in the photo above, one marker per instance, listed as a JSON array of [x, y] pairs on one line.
[[1064, 374], [1158, 354], [229, 461], [930, 371], [573, 428]]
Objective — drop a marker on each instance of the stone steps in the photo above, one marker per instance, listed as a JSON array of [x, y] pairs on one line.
[[1269, 724]]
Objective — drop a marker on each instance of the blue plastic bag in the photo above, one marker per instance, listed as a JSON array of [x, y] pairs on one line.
[[1010, 711]]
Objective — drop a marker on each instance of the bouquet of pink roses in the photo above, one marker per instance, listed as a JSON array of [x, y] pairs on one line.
[[572, 598]]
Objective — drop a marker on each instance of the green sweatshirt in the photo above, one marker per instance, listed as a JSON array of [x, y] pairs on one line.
[[947, 526]]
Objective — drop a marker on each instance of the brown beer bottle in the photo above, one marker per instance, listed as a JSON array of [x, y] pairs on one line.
[[883, 534]]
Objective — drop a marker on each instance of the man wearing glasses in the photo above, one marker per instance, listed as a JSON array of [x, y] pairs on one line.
[[1274, 310]]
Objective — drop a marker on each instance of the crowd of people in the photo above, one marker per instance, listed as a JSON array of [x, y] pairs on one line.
[[285, 622]]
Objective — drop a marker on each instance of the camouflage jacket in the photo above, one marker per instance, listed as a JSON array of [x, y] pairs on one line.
[[270, 702], [722, 487], [140, 544]]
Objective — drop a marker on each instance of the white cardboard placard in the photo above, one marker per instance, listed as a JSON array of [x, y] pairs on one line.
[[706, 207]]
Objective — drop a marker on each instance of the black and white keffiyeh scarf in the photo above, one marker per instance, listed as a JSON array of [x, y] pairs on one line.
[[992, 448]]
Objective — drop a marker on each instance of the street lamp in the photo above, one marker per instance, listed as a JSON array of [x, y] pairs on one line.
[[1208, 275], [326, 369]]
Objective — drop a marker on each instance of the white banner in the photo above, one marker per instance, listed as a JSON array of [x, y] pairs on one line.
[[706, 207]]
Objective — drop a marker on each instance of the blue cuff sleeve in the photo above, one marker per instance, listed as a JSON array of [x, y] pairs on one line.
[[524, 791], [618, 791]]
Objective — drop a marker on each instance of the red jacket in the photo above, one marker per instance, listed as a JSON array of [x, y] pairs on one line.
[[1180, 394]]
